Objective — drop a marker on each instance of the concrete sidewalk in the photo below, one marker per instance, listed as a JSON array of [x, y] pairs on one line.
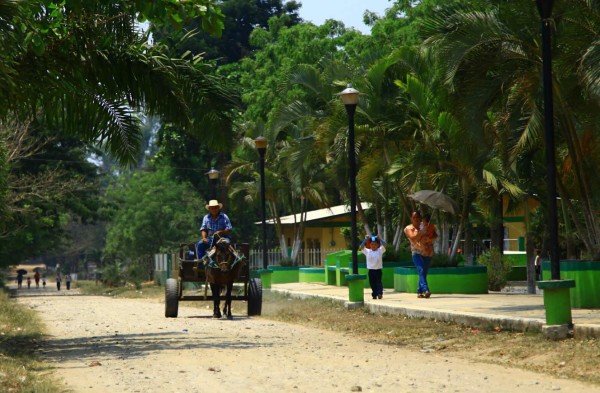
[[510, 311]]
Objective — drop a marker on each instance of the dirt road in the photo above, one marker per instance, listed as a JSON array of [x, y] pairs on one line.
[[101, 344]]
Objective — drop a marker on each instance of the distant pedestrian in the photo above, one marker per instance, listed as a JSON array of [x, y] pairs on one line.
[[19, 280], [36, 277], [58, 280], [28, 282], [68, 281], [538, 265], [374, 252], [44, 281]]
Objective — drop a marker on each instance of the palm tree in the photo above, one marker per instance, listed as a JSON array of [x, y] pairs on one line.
[[86, 68], [508, 83]]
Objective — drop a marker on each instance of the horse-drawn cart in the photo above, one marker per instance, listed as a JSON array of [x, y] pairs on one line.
[[204, 273]]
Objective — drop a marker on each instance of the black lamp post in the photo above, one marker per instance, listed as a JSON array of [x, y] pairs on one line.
[[349, 97], [545, 9], [261, 145], [213, 176]]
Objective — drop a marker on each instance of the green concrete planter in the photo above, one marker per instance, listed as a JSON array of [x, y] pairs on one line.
[[266, 276], [330, 266], [340, 276], [586, 274], [517, 273], [311, 274], [557, 302], [356, 294], [467, 279], [285, 274], [387, 272]]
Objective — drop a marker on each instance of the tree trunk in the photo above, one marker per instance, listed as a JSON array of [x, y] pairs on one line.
[[531, 276], [497, 227]]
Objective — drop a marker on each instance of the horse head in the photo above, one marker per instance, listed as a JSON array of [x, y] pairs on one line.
[[223, 256]]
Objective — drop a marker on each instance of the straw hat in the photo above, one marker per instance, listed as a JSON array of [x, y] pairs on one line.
[[213, 203]]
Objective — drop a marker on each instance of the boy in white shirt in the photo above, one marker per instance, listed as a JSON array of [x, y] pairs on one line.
[[374, 251]]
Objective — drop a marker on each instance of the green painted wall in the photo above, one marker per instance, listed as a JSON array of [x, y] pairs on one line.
[[467, 279], [284, 274], [311, 275], [586, 274]]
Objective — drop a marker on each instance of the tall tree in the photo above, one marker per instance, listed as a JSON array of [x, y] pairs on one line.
[[87, 69]]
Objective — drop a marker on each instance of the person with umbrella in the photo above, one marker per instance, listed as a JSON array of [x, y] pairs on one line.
[[416, 235], [20, 274]]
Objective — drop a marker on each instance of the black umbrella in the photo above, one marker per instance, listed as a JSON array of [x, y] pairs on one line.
[[21, 271], [436, 200]]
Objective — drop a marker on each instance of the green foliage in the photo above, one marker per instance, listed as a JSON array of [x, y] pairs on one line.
[[49, 185], [241, 17], [286, 262], [151, 213], [135, 274], [391, 255], [498, 268], [444, 260], [86, 67], [112, 274]]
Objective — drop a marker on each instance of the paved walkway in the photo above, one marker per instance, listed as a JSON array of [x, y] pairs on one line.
[[511, 311]]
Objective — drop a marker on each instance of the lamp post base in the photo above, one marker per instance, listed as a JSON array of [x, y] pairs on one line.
[[356, 286], [557, 301], [557, 332], [265, 278]]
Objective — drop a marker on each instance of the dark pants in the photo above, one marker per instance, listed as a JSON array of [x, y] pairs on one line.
[[375, 281], [68, 285]]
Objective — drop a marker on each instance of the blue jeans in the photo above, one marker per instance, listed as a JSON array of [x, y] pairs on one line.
[[202, 248], [422, 268], [375, 282]]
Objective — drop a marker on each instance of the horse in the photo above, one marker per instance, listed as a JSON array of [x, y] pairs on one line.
[[222, 267]]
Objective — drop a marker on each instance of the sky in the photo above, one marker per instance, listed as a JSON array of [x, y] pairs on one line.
[[348, 11]]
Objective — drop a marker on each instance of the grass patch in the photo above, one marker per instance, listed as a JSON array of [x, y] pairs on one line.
[[572, 359], [148, 291], [20, 369]]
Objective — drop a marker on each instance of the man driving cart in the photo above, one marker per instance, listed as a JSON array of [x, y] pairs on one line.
[[215, 224]]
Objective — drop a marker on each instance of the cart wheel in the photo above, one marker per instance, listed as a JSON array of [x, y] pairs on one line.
[[171, 298], [254, 297]]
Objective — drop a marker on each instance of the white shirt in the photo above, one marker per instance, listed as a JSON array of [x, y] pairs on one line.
[[374, 258]]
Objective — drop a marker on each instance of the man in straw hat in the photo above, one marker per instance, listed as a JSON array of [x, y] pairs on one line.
[[214, 224]]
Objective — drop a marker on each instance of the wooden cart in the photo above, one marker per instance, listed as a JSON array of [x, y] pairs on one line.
[[191, 270]]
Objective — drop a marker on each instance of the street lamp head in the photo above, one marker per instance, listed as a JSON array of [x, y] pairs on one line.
[[349, 95], [213, 174], [261, 144]]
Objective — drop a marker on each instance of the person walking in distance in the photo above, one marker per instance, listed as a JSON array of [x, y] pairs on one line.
[[36, 277], [28, 282], [415, 236], [538, 265], [374, 251], [58, 280], [68, 281], [44, 281]]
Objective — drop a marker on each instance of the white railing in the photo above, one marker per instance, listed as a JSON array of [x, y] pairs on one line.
[[306, 257]]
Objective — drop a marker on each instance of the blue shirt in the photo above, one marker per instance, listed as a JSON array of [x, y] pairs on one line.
[[211, 225]]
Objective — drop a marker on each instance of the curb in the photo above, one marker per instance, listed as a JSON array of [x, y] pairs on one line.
[[474, 320]]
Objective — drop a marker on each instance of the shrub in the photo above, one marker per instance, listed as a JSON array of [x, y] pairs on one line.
[[443, 260], [498, 268], [402, 255]]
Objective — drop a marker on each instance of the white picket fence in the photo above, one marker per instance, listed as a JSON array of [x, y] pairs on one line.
[[306, 257]]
